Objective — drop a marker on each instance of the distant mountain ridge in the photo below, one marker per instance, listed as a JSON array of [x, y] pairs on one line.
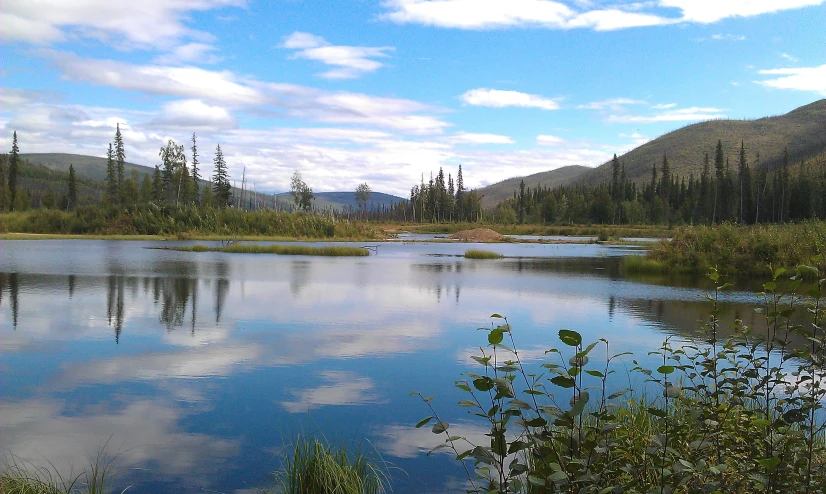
[[495, 193], [802, 131], [95, 168]]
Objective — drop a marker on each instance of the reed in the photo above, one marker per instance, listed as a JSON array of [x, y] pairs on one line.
[[482, 254], [284, 250]]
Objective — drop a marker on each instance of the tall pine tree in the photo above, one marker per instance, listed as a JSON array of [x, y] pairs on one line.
[[220, 180], [14, 169], [72, 193], [120, 160], [196, 176], [112, 189]]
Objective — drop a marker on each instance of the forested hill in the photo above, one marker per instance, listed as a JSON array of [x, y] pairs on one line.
[[498, 192], [802, 130], [85, 166]]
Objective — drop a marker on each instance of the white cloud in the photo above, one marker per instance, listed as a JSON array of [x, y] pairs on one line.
[[671, 115], [709, 11], [352, 61], [613, 104], [724, 37], [194, 114], [341, 388], [225, 89], [549, 140], [148, 23], [473, 138], [195, 53], [790, 58], [799, 78], [664, 106], [498, 98], [496, 14]]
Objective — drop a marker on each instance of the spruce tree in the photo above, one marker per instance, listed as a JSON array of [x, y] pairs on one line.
[[72, 194], [719, 169], [4, 188], [112, 189], [220, 179], [157, 186], [460, 196], [120, 159], [14, 168], [196, 176], [665, 188], [615, 179]]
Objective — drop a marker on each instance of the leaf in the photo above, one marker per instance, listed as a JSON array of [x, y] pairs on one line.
[[483, 384], [657, 412], [595, 373], [769, 463], [563, 381], [496, 316], [496, 336], [665, 369], [619, 393], [440, 427], [580, 403], [423, 422], [537, 422], [570, 338], [468, 403]]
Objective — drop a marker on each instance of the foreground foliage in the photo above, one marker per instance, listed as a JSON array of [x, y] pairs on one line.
[[738, 250], [742, 413], [22, 477]]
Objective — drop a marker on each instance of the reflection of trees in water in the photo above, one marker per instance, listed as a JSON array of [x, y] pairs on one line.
[[13, 282], [115, 303], [299, 275], [221, 288]]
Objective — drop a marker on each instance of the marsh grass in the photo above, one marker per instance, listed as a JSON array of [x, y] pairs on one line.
[[24, 477], [613, 231], [284, 250], [482, 254], [315, 467]]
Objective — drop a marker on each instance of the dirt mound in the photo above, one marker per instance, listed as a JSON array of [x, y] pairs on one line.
[[477, 235]]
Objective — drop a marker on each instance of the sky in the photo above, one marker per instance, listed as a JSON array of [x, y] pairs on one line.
[[384, 92]]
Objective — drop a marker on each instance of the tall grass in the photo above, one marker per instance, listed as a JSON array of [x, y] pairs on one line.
[[740, 250], [183, 221], [23, 477], [482, 254], [284, 250], [315, 467]]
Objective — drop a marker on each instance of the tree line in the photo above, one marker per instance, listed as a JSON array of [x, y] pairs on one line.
[[743, 193]]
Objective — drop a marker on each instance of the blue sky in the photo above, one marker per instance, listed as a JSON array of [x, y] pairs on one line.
[[382, 91]]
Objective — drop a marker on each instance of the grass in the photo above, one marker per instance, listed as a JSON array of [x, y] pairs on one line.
[[315, 467], [23, 477], [482, 254], [612, 231], [284, 250], [736, 250]]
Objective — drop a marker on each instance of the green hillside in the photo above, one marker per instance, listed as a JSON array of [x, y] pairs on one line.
[[802, 130], [495, 193], [85, 166]]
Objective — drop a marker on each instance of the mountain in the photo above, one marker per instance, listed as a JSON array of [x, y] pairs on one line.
[[493, 194], [802, 130], [95, 168]]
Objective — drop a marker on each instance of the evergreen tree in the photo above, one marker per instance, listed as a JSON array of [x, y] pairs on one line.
[[744, 175], [146, 191], [665, 188], [72, 194], [653, 192], [460, 196], [705, 191], [220, 180], [451, 194], [719, 169], [521, 211], [14, 168], [615, 179], [196, 175], [4, 188], [120, 159], [112, 194]]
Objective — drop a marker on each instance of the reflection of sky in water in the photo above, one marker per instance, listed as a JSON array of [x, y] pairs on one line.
[[202, 366]]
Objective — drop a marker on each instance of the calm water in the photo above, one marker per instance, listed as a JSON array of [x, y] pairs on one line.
[[198, 368]]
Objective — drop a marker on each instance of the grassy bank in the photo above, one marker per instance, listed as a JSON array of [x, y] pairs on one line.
[[284, 250], [735, 250], [482, 254], [183, 222]]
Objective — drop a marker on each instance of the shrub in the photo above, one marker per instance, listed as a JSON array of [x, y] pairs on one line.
[[740, 414]]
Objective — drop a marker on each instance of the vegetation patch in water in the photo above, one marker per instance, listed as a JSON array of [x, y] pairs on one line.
[[482, 254], [284, 250], [741, 250], [315, 467]]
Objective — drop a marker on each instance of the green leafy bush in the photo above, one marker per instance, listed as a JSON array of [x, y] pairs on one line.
[[742, 413]]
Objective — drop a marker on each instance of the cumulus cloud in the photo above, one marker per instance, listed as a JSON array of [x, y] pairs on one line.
[[341, 388], [352, 61], [498, 98], [613, 104], [474, 138], [190, 53], [798, 78], [551, 14], [691, 114], [549, 140], [144, 24], [194, 114]]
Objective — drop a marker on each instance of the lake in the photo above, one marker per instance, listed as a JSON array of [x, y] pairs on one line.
[[199, 369]]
